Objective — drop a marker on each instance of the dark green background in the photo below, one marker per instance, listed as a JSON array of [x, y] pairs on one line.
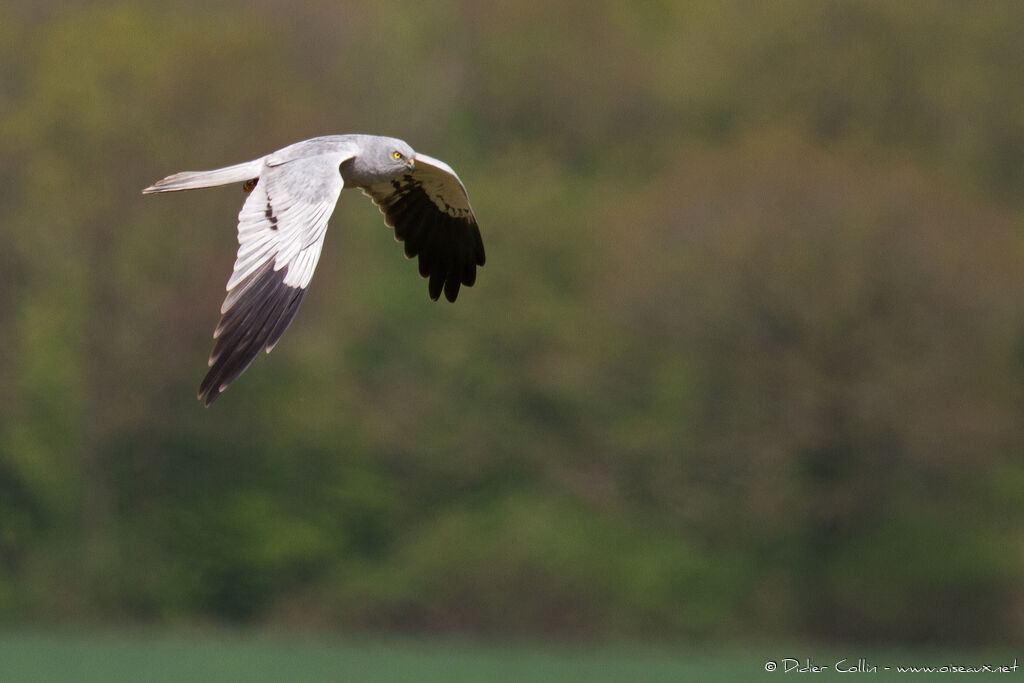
[[745, 360]]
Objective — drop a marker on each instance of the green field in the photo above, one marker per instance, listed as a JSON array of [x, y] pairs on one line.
[[155, 658]]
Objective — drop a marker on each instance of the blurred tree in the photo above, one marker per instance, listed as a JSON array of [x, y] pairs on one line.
[[846, 338]]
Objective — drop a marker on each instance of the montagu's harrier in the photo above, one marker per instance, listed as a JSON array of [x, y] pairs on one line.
[[281, 228]]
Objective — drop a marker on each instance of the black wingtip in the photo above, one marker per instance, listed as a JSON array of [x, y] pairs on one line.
[[436, 284], [451, 288], [448, 243], [207, 394], [255, 322]]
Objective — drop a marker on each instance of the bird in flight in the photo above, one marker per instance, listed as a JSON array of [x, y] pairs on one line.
[[281, 227]]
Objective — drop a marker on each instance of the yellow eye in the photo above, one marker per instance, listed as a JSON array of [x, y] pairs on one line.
[[397, 155]]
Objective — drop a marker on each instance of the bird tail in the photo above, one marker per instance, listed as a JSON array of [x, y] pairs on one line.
[[190, 180]]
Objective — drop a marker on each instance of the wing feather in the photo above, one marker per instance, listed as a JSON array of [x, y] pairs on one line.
[[430, 213], [281, 229]]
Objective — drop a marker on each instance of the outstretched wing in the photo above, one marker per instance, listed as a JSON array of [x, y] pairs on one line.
[[281, 229], [430, 212]]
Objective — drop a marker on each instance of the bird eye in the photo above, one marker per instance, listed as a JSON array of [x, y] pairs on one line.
[[397, 155]]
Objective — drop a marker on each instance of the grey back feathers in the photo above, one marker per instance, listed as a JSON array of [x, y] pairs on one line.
[[291, 195]]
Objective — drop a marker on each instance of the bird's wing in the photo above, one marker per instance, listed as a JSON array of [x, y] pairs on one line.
[[281, 229], [430, 212]]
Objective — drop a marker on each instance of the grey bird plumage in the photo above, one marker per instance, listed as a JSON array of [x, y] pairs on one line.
[[291, 195]]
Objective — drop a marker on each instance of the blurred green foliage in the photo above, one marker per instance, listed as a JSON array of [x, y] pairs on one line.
[[746, 358]]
